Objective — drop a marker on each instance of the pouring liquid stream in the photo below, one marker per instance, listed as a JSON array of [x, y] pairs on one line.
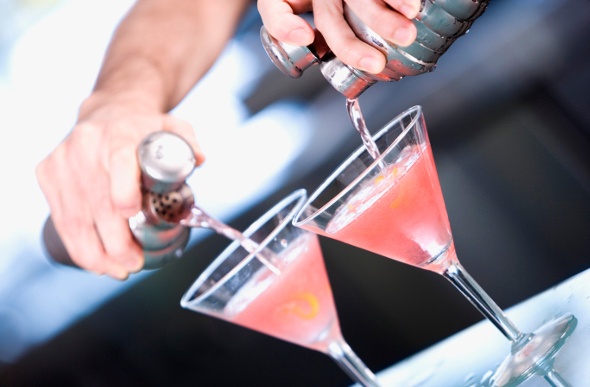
[[198, 218], [358, 121]]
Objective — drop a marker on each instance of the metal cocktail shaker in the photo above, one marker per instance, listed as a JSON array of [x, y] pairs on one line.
[[439, 24], [166, 161]]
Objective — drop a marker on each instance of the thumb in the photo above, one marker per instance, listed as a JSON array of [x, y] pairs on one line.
[[186, 131]]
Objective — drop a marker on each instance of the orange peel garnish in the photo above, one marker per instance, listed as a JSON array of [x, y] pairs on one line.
[[397, 201], [305, 305]]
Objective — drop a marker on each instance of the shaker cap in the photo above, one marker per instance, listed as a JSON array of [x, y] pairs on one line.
[[166, 160]]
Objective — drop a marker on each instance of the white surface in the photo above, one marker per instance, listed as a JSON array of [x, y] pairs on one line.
[[467, 358]]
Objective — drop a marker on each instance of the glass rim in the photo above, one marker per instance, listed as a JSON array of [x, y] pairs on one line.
[[321, 188], [299, 195]]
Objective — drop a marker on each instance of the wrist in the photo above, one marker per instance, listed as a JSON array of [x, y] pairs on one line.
[[128, 83], [116, 102]]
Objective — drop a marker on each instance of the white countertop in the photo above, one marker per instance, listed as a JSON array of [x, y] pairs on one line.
[[468, 357]]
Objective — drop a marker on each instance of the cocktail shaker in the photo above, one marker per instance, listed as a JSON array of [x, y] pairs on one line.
[[166, 161], [439, 24]]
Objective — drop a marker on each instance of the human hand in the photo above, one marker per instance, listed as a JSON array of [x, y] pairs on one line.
[[92, 183], [391, 19]]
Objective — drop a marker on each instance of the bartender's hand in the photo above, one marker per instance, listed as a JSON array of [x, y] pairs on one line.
[[92, 182], [388, 18]]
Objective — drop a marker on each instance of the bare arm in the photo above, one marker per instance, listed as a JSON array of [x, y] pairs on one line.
[[163, 47], [91, 180]]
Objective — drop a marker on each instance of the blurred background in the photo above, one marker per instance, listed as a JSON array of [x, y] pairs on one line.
[[508, 112]]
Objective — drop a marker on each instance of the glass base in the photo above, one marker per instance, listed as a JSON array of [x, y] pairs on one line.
[[535, 353]]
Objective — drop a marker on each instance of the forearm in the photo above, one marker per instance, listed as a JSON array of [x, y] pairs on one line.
[[161, 49]]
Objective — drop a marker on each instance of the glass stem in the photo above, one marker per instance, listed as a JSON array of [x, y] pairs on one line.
[[478, 297], [351, 364], [555, 379]]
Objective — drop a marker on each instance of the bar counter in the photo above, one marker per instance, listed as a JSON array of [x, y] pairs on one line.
[[469, 357]]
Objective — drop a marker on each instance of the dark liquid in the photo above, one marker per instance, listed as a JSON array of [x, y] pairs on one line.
[[200, 219]]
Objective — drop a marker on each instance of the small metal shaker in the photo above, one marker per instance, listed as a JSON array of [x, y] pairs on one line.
[[166, 161], [439, 24]]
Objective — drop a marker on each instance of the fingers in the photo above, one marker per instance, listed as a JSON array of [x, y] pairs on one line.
[[280, 20], [110, 221], [77, 187], [408, 8], [329, 19], [124, 181], [390, 24], [391, 19], [72, 218], [105, 243], [394, 25]]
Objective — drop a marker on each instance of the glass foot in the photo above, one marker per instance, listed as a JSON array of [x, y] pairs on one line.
[[534, 354]]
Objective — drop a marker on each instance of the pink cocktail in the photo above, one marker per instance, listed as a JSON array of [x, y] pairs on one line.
[[278, 285], [298, 305], [403, 203], [393, 205]]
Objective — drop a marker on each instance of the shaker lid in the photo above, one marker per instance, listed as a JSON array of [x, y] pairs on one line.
[[166, 160]]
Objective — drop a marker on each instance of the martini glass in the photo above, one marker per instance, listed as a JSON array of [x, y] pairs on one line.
[[393, 206], [286, 294]]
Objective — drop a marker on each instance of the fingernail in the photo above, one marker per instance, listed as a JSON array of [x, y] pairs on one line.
[[409, 11], [132, 264], [403, 36], [300, 37], [370, 64], [121, 275]]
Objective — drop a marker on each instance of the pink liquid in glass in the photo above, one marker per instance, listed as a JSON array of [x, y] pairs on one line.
[[399, 214], [297, 306]]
